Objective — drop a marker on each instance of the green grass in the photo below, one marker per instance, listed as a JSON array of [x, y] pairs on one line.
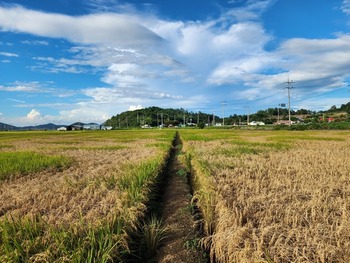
[[13, 164], [31, 239], [152, 234], [137, 179]]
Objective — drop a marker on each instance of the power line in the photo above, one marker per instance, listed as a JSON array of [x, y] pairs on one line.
[[289, 87], [223, 103]]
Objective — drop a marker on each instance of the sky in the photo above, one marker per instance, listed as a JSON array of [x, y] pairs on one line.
[[64, 61]]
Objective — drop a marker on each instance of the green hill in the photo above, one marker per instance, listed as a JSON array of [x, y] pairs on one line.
[[155, 116]]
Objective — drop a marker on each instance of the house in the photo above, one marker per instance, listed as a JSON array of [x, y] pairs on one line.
[[62, 128], [91, 126], [284, 122], [255, 123]]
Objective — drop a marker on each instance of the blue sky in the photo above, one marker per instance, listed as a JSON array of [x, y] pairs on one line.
[[63, 61]]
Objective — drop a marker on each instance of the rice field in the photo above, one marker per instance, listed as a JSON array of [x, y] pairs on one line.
[[76, 197], [272, 196], [264, 196]]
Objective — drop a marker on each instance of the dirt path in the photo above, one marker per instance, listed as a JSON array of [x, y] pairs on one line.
[[182, 240]]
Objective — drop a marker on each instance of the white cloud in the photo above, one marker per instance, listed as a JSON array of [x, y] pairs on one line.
[[18, 101], [133, 107], [104, 28], [35, 42], [123, 74], [22, 87], [346, 7], [319, 104], [84, 113], [145, 60], [33, 114], [7, 54]]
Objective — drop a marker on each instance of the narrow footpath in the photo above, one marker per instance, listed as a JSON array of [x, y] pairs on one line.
[[181, 244]]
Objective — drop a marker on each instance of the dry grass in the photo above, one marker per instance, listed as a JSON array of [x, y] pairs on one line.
[[279, 196]]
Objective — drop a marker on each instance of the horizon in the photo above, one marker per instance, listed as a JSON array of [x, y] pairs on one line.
[[93, 59], [293, 113]]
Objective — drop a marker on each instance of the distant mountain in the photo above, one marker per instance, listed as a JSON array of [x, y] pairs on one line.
[[80, 124], [7, 127], [48, 126], [42, 127]]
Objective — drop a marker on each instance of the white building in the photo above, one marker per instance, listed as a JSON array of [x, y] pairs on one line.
[[255, 123]]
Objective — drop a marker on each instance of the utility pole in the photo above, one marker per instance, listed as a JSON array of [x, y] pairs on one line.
[[248, 113], [223, 103], [289, 87]]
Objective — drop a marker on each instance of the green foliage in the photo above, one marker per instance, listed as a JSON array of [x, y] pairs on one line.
[[33, 240], [181, 172], [20, 239], [154, 116], [201, 125], [19, 163], [238, 151], [192, 244], [153, 233]]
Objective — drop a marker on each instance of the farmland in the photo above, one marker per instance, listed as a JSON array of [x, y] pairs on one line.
[[75, 196], [264, 196], [272, 196]]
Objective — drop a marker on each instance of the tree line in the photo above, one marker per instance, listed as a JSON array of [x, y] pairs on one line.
[[155, 117]]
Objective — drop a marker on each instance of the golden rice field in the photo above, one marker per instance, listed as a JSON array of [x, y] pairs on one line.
[[74, 197], [272, 196], [265, 196]]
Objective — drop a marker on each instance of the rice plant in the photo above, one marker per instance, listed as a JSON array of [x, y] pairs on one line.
[[13, 164], [152, 235], [279, 196], [82, 210]]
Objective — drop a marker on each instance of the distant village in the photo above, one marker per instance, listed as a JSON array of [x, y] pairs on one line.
[[83, 126]]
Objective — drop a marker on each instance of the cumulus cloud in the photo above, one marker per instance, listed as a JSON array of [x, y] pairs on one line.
[[33, 114], [133, 107]]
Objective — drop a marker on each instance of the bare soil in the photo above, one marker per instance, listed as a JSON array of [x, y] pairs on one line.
[[181, 243]]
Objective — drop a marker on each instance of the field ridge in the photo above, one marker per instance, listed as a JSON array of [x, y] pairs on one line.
[[182, 239]]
